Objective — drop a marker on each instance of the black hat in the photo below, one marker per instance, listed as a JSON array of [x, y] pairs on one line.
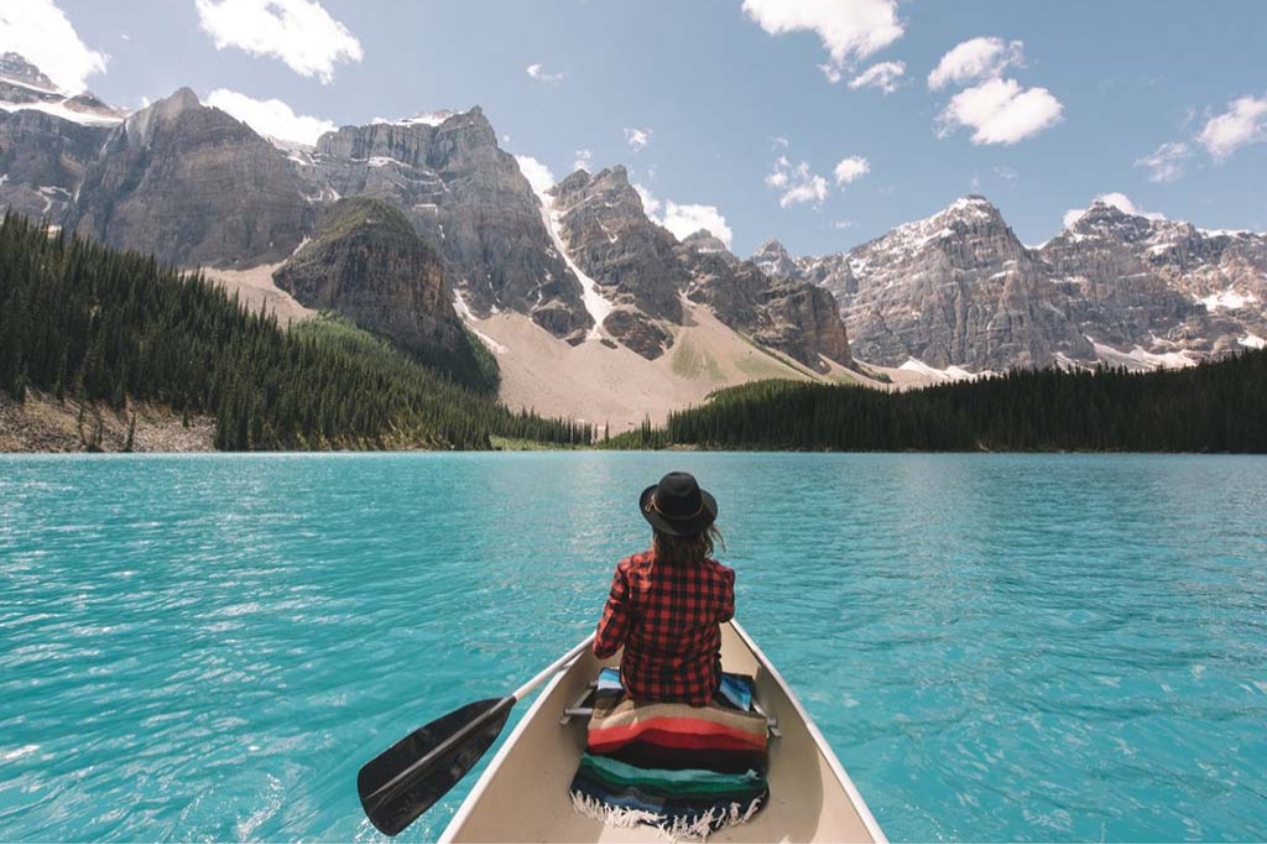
[[677, 506]]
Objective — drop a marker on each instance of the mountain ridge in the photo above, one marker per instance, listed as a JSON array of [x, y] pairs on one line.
[[959, 289], [586, 263]]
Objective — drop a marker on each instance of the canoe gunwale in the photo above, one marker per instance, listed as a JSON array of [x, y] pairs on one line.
[[860, 805], [473, 799]]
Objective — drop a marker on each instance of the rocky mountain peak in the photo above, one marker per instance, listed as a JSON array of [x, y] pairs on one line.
[[472, 121], [142, 126], [972, 209], [773, 259], [576, 181], [704, 241], [1105, 220], [606, 231], [193, 185], [610, 188], [770, 247]]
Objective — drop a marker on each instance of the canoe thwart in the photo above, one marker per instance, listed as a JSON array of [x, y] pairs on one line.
[[771, 723], [578, 708]]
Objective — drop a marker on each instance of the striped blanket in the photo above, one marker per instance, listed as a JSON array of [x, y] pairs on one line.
[[688, 770]]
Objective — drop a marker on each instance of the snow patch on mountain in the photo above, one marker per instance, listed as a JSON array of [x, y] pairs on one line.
[[948, 375], [60, 109], [598, 306], [422, 118], [1139, 358], [1229, 299]]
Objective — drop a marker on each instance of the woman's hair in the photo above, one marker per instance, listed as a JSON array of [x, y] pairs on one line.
[[686, 549]]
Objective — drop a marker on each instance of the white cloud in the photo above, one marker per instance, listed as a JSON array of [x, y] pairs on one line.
[[1000, 111], [299, 32], [798, 183], [685, 220], [842, 224], [780, 142], [584, 160], [637, 139], [271, 118], [779, 177], [885, 76], [851, 169], [1007, 174], [537, 174], [43, 35], [1245, 122], [1165, 164], [978, 58], [851, 30], [538, 72], [1120, 201]]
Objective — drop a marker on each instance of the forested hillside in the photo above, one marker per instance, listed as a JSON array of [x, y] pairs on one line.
[[80, 320], [1216, 407]]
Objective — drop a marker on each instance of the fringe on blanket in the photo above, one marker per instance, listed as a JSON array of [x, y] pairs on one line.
[[672, 829]]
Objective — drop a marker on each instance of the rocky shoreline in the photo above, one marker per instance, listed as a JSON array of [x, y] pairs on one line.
[[42, 424]]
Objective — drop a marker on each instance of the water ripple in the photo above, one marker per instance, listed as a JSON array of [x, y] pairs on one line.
[[1021, 648]]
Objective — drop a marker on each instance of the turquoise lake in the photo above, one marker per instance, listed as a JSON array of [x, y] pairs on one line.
[[997, 647]]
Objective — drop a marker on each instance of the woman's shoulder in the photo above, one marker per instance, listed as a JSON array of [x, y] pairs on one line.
[[721, 569], [636, 562]]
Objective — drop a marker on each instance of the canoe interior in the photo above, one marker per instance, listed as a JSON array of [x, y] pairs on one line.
[[523, 795]]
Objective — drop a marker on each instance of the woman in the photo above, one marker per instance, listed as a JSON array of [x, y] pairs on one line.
[[667, 603]]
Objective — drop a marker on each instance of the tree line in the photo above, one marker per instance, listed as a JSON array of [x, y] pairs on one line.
[[1215, 407], [80, 320]]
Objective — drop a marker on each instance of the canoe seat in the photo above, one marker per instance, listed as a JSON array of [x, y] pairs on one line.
[[735, 692]]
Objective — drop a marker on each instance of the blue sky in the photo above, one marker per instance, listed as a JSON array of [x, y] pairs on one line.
[[1092, 93]]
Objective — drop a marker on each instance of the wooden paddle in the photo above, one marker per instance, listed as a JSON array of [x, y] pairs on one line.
[[405, 780]]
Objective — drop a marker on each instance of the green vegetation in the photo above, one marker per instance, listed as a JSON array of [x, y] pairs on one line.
[[355, 212], [80, 320], [356, 227], [1216, 407], [693, 363]]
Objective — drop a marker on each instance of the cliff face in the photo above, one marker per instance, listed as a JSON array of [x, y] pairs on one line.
[[470, 202], [43, 159], [1115, 296], [955, 289], [366, 262], [193, 186], [958, 289], [611, 238], [47, 140], [643, 272], [791, 316], [1140, 281]]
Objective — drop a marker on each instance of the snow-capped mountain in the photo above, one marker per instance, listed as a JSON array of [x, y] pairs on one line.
[[47, 139], [959, 290], [195, 186]]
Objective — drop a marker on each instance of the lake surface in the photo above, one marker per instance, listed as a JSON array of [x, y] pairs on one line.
[[997, 647]]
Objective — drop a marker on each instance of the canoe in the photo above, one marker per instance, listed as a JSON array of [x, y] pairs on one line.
[[523, 794]]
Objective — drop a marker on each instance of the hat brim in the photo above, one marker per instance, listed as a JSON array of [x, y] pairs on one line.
[[679, 527]]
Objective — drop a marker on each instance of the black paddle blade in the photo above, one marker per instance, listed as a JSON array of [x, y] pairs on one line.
[[405, 780]]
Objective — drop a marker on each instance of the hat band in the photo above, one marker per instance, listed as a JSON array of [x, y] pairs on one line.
[[655, 505]]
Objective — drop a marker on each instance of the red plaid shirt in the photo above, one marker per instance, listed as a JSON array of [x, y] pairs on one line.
[[667, 615]]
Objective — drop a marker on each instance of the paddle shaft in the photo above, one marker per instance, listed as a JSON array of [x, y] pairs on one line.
[[388, 789]]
